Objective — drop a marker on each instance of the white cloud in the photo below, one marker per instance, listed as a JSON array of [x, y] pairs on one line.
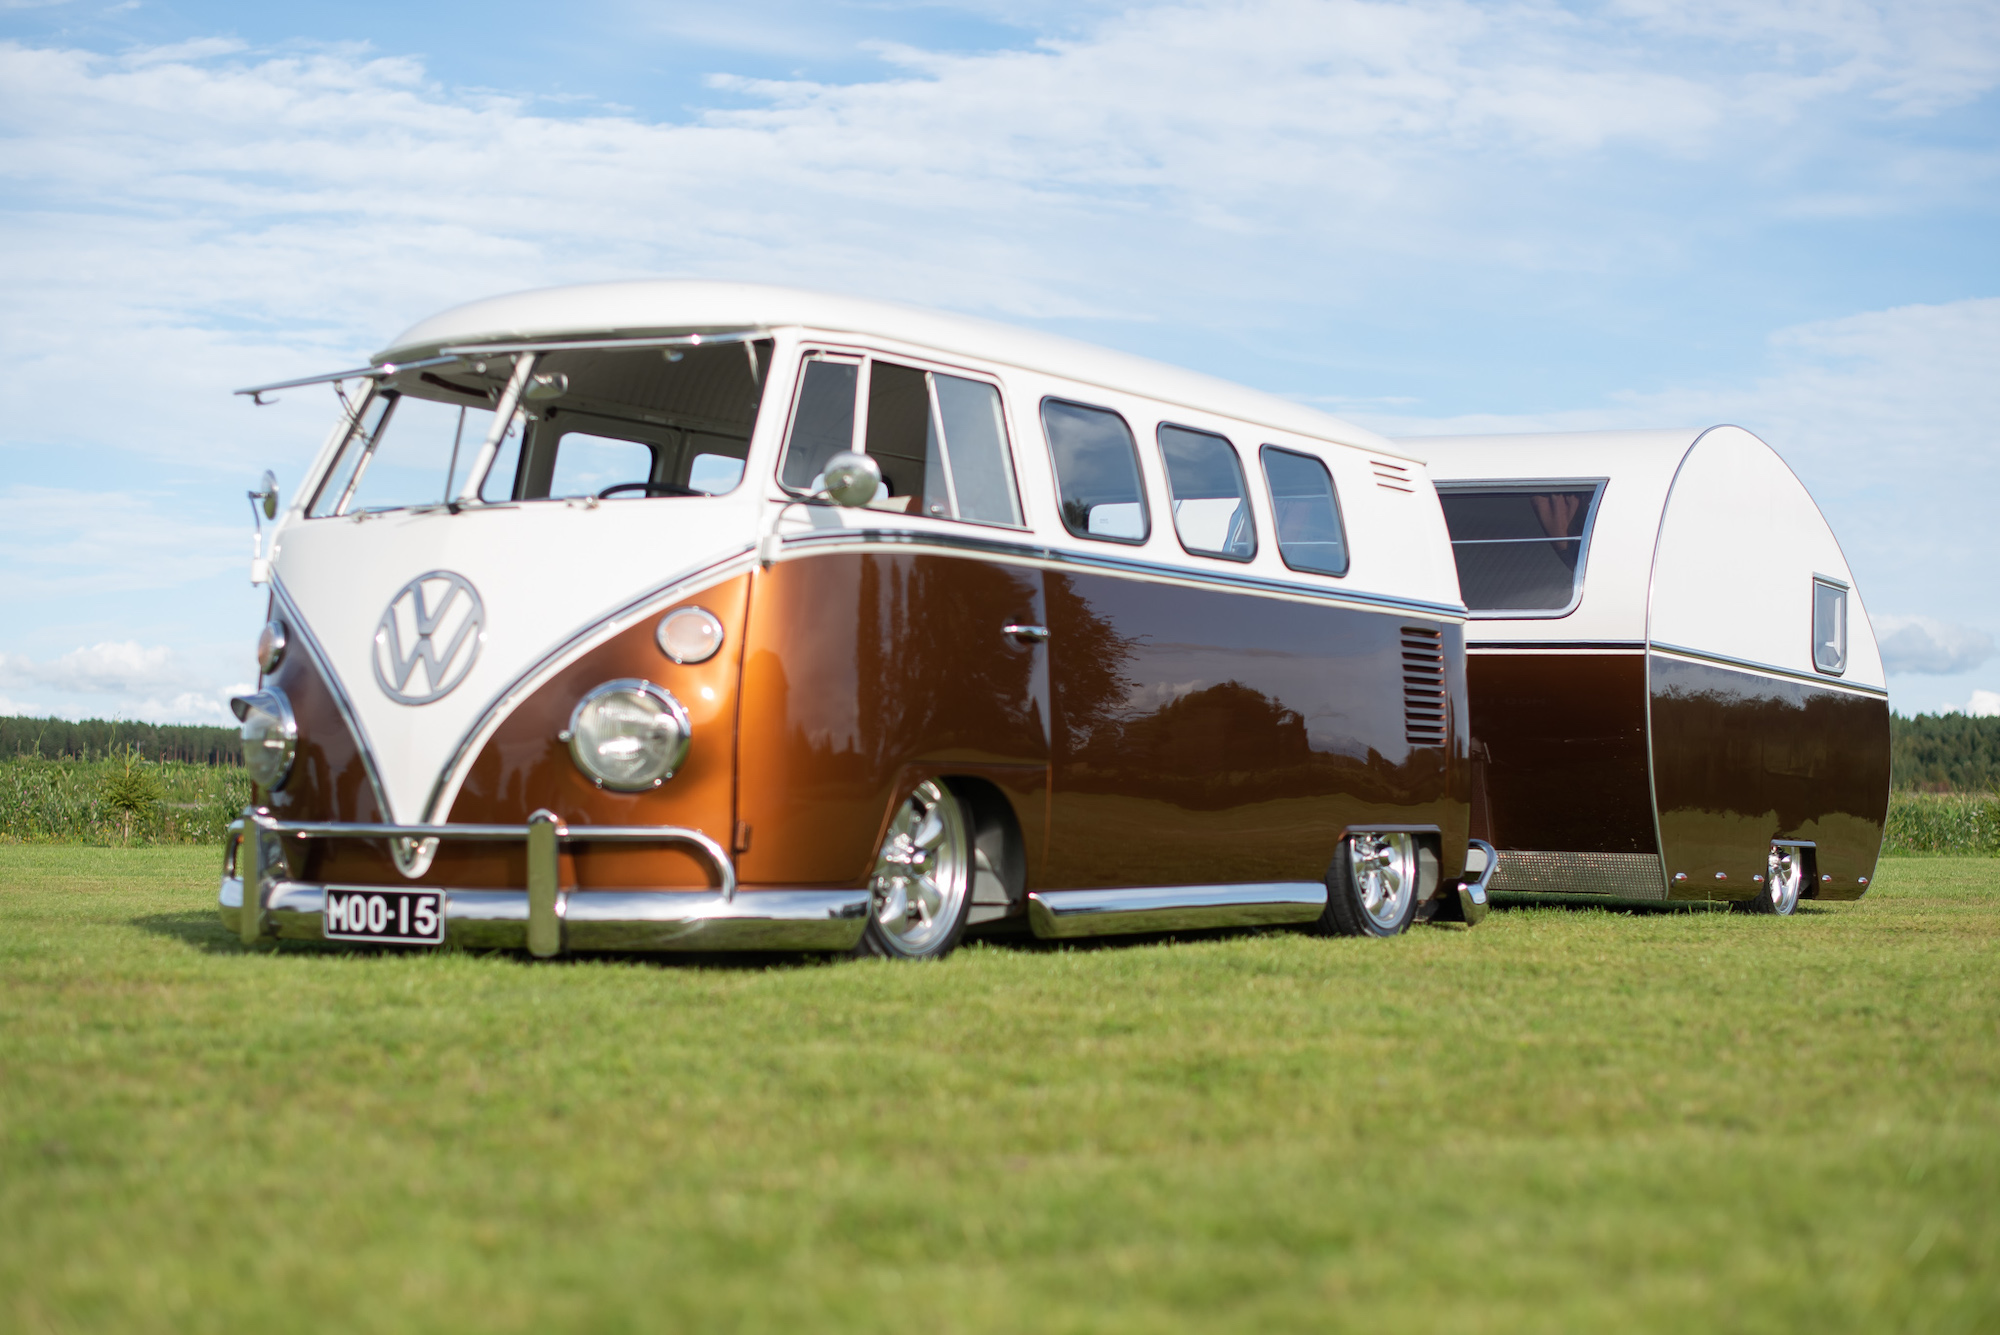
[[57, 541], [1920, 644], [120, 678], [1891, 419], [1984, 704]]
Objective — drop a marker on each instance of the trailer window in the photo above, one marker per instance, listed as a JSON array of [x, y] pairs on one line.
[[1520, 549], [1829, 626], [1097, 472], [1310, 534], [1211, 506]]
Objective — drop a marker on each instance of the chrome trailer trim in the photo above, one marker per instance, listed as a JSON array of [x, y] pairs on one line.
[[251, 899], [1072, 913]]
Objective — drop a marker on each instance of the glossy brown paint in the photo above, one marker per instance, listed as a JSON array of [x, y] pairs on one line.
[[867, 673], [1212, 737], [1559, 746], [1742, 758]]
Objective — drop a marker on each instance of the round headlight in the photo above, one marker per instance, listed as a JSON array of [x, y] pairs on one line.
[[271, 647], [690, 634], [270, 736], [629, 735]]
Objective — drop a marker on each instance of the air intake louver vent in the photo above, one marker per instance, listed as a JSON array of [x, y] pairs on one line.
[[1393, 477], [1424, 699]]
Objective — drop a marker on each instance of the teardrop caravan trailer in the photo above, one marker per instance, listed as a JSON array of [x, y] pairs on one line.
[[701, 616], [1675, 691]]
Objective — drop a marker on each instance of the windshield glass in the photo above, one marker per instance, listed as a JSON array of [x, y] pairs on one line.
[[618, 424]]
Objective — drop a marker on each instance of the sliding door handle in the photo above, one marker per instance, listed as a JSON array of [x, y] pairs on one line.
[[1022, 634]]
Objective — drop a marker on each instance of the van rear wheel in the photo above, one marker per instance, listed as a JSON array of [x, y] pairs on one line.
[[1371, 890], [920, 892]]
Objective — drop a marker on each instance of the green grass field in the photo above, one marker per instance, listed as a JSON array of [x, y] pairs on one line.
[[1561, 1120]]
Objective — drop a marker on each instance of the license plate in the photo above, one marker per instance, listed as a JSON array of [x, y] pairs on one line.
[[409, 917]]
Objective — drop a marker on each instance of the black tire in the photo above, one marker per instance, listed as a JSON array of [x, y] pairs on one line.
[[1356, 908], [920, 891]]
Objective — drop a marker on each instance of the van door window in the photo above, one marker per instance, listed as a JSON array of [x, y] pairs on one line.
[[1097, 472], [1211, 507], [1310, 534], [822, 421], [1829, 626], [587, 464], [942, 445]]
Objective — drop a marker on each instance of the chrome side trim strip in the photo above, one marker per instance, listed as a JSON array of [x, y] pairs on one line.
[[1554, 646], [455, 350], [1073, 913], [620, 920], [1750, 665], [1058, 556]]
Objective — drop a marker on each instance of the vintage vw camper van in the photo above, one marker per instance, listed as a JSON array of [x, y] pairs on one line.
[[1675, 690], [697, 616]]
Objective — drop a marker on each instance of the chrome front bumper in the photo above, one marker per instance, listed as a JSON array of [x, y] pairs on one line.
[[260, 901]]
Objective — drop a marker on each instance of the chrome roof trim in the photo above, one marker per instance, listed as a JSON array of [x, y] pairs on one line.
[[357, 373]]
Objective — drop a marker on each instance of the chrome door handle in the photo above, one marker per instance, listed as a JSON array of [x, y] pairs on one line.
[[1025, 634]]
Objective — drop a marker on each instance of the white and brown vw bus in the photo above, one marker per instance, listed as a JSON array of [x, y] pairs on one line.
[[701, 616]]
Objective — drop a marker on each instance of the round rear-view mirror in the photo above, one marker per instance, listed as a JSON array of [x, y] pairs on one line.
[[267, 492], [851, 478]]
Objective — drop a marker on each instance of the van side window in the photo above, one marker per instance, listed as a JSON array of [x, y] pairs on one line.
[[1829, 626], [1211, 508], [940, 439], [1097, 472], [1310, 534], [1520, 550], [822, 421]]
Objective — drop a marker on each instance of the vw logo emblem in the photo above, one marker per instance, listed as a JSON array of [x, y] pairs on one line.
[[434, 623]]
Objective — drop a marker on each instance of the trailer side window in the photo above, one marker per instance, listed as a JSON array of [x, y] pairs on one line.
[[1829, 626], [1097, 472], [1310, 534], [1520, 549], [1211, 506]]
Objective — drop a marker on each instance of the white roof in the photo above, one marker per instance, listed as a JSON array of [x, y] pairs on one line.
[[651, 307]]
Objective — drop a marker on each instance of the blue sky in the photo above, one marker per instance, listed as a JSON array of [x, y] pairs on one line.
[[1423, 216]]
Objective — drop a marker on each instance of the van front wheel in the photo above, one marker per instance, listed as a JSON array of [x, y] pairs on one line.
[[1371, 890], [920, 892]]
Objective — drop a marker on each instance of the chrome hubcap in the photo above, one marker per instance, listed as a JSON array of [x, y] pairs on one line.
[[923, 872], [1385, 875], [1784, 877]]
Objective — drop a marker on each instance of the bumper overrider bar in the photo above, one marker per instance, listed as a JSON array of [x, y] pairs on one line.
[[261, 901]]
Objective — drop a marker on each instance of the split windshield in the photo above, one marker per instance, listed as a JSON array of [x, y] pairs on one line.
[[616, 424]]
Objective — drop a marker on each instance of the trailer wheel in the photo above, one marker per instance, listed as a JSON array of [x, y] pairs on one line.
[[1784, 880], [921, 890], [1371, 889]]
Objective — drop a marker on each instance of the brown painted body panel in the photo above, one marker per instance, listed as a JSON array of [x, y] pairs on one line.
[[868, 672], [1212, 737], [1743, 757], [1559, 743]]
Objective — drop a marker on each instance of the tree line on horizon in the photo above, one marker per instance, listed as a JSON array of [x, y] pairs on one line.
[[1944, 753]]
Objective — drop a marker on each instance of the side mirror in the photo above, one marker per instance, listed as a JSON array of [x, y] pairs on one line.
[[266, 495], [851, 479]]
